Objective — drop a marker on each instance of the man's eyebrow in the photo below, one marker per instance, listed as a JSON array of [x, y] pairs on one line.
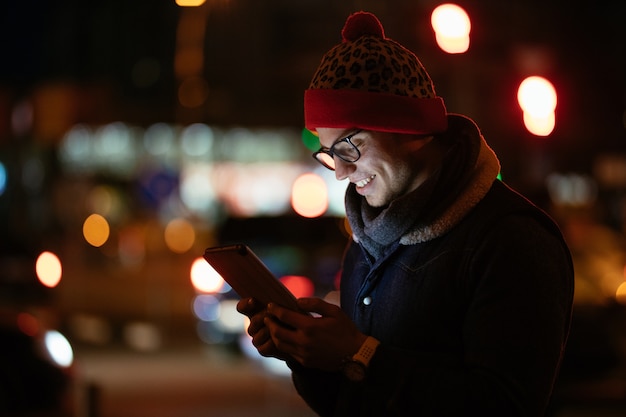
[[347, 133], [335, 141]]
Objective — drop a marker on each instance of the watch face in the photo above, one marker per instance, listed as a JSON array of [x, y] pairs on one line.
[[354, 371]]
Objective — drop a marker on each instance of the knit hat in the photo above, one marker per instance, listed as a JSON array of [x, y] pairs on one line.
[[374, 83]]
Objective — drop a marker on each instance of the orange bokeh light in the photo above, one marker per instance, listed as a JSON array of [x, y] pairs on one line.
[[96, 230]]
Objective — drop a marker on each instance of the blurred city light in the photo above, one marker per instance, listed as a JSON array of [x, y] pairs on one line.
[[131, 245], [299, 286], [116, 145], [22, 118], [3, 178], [206, 307], [336, 191], [59, 348], [212, 171], [49, 270], [309, 195], [620, 294], [197, 141], [572, 190], [90, 328], [179, 235], [196, 190], [96, 230], [230, 320], [190, 3], [142, 336], [537, 98], [76, 151], [539, 125], [204, 278], [28, 324], [254, 189], [160, 140], [452, 28]]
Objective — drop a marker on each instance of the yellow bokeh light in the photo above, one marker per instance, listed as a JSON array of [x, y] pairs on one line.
[[309, 195], [204, 278], [48, 269], [96, 230], [190, 3], [179, 235]]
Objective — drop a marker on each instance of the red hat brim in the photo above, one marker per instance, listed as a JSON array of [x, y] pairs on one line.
[[374, 111]]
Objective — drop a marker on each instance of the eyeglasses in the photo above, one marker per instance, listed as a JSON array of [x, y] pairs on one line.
[[344, 149]]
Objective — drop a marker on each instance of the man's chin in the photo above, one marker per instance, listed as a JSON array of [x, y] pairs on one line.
[[372, 201]]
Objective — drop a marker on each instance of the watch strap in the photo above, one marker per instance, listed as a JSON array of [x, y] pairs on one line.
[[366, 351]]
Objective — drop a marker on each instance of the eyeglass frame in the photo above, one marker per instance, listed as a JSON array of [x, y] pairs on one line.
[[332, 154]]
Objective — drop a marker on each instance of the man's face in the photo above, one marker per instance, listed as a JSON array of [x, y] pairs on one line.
[[389, 166]]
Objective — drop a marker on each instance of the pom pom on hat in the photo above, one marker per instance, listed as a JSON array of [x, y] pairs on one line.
[[361, 24], [371, 82]]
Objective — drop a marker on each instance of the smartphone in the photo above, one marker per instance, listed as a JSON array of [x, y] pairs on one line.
[[248, 275]]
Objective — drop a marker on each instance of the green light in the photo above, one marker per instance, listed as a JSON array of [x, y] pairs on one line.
[[310, 140]]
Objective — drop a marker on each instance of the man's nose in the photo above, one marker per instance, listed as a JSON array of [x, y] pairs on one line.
[[343, 169]]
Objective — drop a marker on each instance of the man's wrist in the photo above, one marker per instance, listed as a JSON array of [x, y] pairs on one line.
[[366, 351], [355, 367]]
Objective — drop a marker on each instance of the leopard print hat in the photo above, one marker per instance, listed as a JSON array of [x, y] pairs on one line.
[[371, 82]]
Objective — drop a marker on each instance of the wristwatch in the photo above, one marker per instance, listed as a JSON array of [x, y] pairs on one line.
[[355, 368]]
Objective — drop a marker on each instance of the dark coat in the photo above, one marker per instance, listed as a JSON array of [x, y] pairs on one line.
[[471, 323]]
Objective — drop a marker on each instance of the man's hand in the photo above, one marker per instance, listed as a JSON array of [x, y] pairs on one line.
[[260, 334], [322, 342]]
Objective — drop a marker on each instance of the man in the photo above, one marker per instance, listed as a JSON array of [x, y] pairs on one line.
[[456, 292]]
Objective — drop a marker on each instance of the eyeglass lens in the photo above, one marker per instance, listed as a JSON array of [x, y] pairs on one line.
[[343, 149], [325, 159]]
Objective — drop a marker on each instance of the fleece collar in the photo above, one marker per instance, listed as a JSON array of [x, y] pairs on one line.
[[485, 172]]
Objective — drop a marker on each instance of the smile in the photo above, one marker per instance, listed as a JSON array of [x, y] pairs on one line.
[[364, 182]]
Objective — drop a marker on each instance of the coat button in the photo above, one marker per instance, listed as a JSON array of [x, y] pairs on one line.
[[367, 301]]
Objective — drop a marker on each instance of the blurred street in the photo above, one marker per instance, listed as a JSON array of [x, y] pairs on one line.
[[188, 381], [206, 381]]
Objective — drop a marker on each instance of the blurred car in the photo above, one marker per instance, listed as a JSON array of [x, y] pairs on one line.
[[36, 368]]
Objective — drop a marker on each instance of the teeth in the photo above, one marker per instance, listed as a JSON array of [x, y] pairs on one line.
[[364, 182]]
